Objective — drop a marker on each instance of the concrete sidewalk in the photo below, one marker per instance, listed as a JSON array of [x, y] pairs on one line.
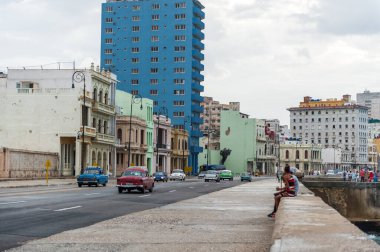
[[233, 219], [36, 182]]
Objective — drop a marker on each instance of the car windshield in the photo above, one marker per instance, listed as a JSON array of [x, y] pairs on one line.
[[91, 171], [177, 171], [225, 171], [211, 172], [245, 174], [159, 174], [132, 173]]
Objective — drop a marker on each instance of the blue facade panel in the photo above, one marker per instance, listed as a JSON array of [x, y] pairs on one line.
[[154, 47]]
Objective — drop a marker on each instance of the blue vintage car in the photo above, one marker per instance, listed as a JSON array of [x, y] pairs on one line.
[[92, 176]]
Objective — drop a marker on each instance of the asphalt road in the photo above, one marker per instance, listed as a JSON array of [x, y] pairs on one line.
[[33, 213]]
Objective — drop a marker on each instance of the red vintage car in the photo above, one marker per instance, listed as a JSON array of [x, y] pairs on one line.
[[135, 178]]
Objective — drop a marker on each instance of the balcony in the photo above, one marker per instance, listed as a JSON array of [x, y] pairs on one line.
[[197, 87], [196, 120], [198, 23], [198, 65], [196, 97], [196, 133], [198, 55], [88, 131], [198, 44], [196, 149], [197, 108], [104, 108], [198, 34], [199, 13], [104, 138], [198, 76]]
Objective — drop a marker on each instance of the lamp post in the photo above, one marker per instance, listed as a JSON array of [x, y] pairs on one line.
[[79, 76], [161, 111], [135, 99], [185, 120]]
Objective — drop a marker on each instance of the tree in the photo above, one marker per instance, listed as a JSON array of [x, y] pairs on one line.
[[225, 153]]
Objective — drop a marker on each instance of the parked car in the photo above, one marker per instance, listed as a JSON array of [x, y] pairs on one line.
[[161, 176], [330, 172], [135, 178], [92, 176], [177, 174], [201, 175], [226, 174], [245, 176], [212, 175]]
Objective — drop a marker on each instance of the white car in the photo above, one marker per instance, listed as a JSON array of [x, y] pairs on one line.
[[177, 174], [330, 172]]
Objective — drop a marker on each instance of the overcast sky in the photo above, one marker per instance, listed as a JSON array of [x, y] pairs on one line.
[[267, 54]]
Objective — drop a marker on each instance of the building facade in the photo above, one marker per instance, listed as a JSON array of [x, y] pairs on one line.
[[155, 49], [45, 111], [372, 101], [162, 141], [305, 157], [141, 113], [180, 150], [333, 123]]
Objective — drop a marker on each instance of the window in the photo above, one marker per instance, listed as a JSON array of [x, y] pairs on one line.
[[109, 30], [109, 9], [109, 20], [134, 82], [180, 48], [108, 61], [180, 27], [135, 92], [179, 70], [108, 41], [135, 39], [155, 28], [135, 18], [156, 17], [154, 70], [180, 38], [179, 103], [154, 59], [135, 49], [179, 81], [180, 5], [297, 154], [154, 81], [155, 38], [134, 71], [179, 59], [136, 7], [135, 28], [155, 6], [287, 154], [180, 16], [154, 49], [306, 154], [179, 92], [108, 51], [178, 114], [153, 92], [135, 60]]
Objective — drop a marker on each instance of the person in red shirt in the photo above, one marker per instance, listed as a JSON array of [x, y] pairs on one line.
[[362, 175], [371, 175]]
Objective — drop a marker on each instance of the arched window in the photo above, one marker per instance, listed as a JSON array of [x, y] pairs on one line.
[[120, 135], [100, 96], [100, 126], [95, 95], [297, 154], [106, 98], [306, 154], [94, 123], [185, 145], [105, 127], [287, 154]]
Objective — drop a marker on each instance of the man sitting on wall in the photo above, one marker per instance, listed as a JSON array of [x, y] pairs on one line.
[[290, 190]]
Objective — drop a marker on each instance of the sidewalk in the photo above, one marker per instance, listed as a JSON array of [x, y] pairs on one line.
[[36, 182], [233, 219]]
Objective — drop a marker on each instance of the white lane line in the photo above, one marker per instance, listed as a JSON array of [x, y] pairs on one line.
[[142, 196], [206, 185], [69, 208], [172, 190], [191, 187], [13, 202], [87, 194]]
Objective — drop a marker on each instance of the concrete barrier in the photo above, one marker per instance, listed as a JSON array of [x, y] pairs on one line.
[[306, 223]]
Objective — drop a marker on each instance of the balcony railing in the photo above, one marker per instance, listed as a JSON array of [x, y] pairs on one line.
[[198, 76], [198, 55], [104, 108], [196, 97], [198, 87], [105, 138], [198, 65], [198, 12], [197, 108], [198, 44], [88, 131], [196, 120], [197, 33]]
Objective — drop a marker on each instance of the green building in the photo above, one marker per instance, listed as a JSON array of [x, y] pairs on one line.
[[144, 112]]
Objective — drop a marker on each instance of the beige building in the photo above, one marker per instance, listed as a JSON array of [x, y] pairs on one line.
[[373, 154], [134, 137], [180, 149], [305, 157]]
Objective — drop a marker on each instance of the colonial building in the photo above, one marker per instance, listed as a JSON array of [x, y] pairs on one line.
[[180, 149], [45, 111], [162, 141], [333, 123]]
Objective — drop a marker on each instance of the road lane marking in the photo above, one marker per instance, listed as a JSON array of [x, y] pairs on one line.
[[64, 209], [142, 196], [191, 187], [13, 202], [87, 194], [172, 191]]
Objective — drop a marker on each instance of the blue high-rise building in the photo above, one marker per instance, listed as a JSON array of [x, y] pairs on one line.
[[155, 49]]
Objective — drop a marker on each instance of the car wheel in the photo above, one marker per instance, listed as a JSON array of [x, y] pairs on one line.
[[79, 185], [97, 184], [184, 179], [231, 179], [151, 189], [143, 190], [120, 189], [206, 180], [241, 180], [105, 184]]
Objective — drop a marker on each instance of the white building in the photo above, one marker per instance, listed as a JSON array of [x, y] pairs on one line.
[[370, 100], [333, 123], [332, 158], [162, 141], [41, 111]]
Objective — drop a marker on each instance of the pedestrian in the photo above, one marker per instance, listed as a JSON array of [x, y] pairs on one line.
[[362, 175], [371, 175], [278, 175], [344, 175], [353, 176], [376, 177]]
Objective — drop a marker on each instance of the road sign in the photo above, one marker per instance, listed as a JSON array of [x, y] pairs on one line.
[[47, 165]]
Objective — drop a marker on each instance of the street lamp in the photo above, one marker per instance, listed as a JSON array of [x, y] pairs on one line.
[[185, 120], [161, 111], [135, 99], [79, 76]]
